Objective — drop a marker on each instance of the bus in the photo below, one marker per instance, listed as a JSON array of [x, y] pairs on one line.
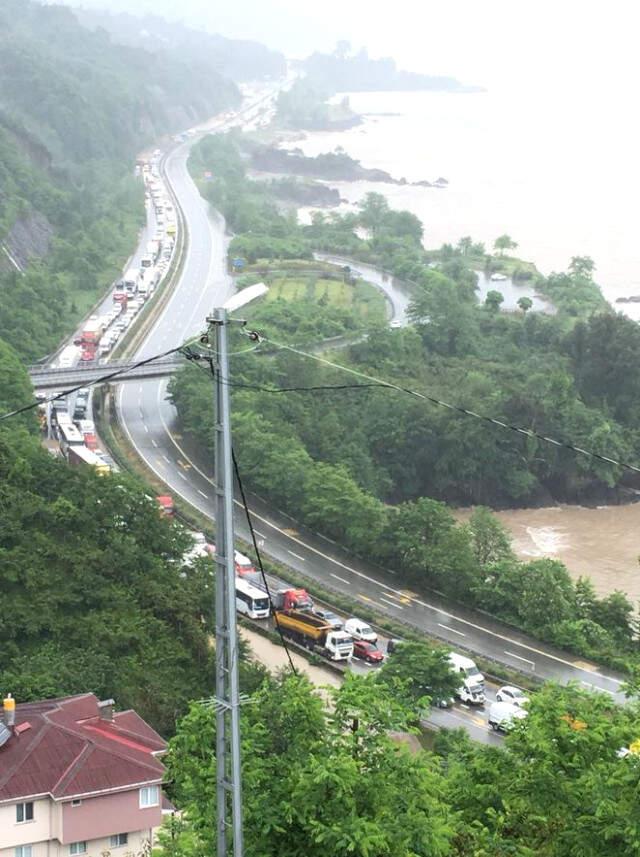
[[80, 456], [69, 436], [250, 600]]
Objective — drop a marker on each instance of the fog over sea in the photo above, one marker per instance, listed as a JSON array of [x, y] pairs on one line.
[[553, 184]]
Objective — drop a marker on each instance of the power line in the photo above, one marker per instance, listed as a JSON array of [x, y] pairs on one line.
[[101, 380], [378, 382], [257, 552]]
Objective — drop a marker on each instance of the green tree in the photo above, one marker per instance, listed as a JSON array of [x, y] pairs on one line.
[[489, 539], [503, 243], [525, 304], [493, 300], [582, 266], [421, 672], [315, 782]]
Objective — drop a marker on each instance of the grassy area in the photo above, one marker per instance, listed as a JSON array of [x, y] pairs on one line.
[[361, 297]]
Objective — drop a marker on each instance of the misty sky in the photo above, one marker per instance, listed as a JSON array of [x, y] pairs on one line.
[[513, 44]]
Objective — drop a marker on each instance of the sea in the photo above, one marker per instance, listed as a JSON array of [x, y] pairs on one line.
[[561, 183], [543, 178]]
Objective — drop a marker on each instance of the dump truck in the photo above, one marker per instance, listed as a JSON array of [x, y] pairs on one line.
[[315, 634], [283, 597]]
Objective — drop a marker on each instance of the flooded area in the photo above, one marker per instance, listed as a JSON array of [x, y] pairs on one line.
[[602, 543], [274, 658], [511, 292]]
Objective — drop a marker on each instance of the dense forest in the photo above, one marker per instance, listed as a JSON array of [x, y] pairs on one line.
[[237, 59], [320, 780], [74, 110], [373, 468], [96, 594]]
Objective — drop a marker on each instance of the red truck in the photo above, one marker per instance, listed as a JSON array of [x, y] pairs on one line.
[[165, 502], [283, 597]]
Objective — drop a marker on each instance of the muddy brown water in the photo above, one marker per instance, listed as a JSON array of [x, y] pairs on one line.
[[602, 543]]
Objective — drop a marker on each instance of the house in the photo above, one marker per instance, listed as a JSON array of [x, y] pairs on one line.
[[77, 778]]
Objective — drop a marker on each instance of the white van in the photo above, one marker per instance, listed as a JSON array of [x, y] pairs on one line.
[[471, 679], [502, 715], [359, 630]]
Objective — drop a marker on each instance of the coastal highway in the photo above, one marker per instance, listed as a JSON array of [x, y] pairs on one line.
[[149, 421]]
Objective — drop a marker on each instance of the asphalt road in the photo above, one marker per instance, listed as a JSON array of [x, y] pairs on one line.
[[150, 423]]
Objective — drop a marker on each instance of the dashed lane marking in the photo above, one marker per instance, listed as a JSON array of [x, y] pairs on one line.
[[297, 556], [206, 496], [391, 603], [341, 579], [449, 628], [520, 658]]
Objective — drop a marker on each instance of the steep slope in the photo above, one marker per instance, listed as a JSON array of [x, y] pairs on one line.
[[74, 110]]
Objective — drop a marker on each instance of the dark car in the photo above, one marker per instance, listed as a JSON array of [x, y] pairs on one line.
[[367, 652]]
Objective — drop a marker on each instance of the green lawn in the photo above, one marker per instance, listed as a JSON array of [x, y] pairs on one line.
[[362, 297]]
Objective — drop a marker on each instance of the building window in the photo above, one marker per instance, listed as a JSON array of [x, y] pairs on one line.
[[23, 851], [119, 839], [77, 802], [24, 812], [78, 848], [149, 796]]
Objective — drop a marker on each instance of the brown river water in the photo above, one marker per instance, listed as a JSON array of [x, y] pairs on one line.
[[602, 543]]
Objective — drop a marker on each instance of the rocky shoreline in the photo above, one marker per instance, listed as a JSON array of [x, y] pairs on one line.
[[330, 166]]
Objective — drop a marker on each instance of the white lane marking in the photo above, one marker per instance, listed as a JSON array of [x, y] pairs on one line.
[[259, 535], [592, 686], [425, 604], [297, 556], [341, 579], [182, 476], [146, 428], [519, 658], [167, 459], [206, 496], [391, 603], [154, 443], [449, 628]]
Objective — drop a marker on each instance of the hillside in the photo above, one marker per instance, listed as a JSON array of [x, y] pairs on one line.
[[74, 110], [237, 59]]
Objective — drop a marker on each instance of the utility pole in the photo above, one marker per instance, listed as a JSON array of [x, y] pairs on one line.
[[227, 702]]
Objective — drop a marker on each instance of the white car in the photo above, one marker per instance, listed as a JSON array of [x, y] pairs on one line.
[[511, 694], [395, 324], [503, 716], [359, 630]]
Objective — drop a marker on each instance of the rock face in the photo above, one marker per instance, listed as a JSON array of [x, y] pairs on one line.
[[305, 192], [28, 238], [333, 166]]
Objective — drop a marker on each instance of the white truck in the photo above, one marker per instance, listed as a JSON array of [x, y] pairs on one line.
[[471, 687]]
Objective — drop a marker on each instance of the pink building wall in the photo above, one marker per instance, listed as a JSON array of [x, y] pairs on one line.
[[106, 815]]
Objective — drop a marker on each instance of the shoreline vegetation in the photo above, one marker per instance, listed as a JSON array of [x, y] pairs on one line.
[[376, 471]]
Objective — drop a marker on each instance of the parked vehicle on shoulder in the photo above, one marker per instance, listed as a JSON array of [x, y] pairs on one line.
[[367, 652], [393, 646], [504, 715], [511, 694], [359, 630]]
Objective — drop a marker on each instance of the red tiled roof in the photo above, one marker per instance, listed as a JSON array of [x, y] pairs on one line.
[[69, 750]]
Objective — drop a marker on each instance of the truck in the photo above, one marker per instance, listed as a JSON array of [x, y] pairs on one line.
[[91, 333], [130, 280], [80, 456], [283, 597], [165, 503], [471, 689], [315, 634]]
